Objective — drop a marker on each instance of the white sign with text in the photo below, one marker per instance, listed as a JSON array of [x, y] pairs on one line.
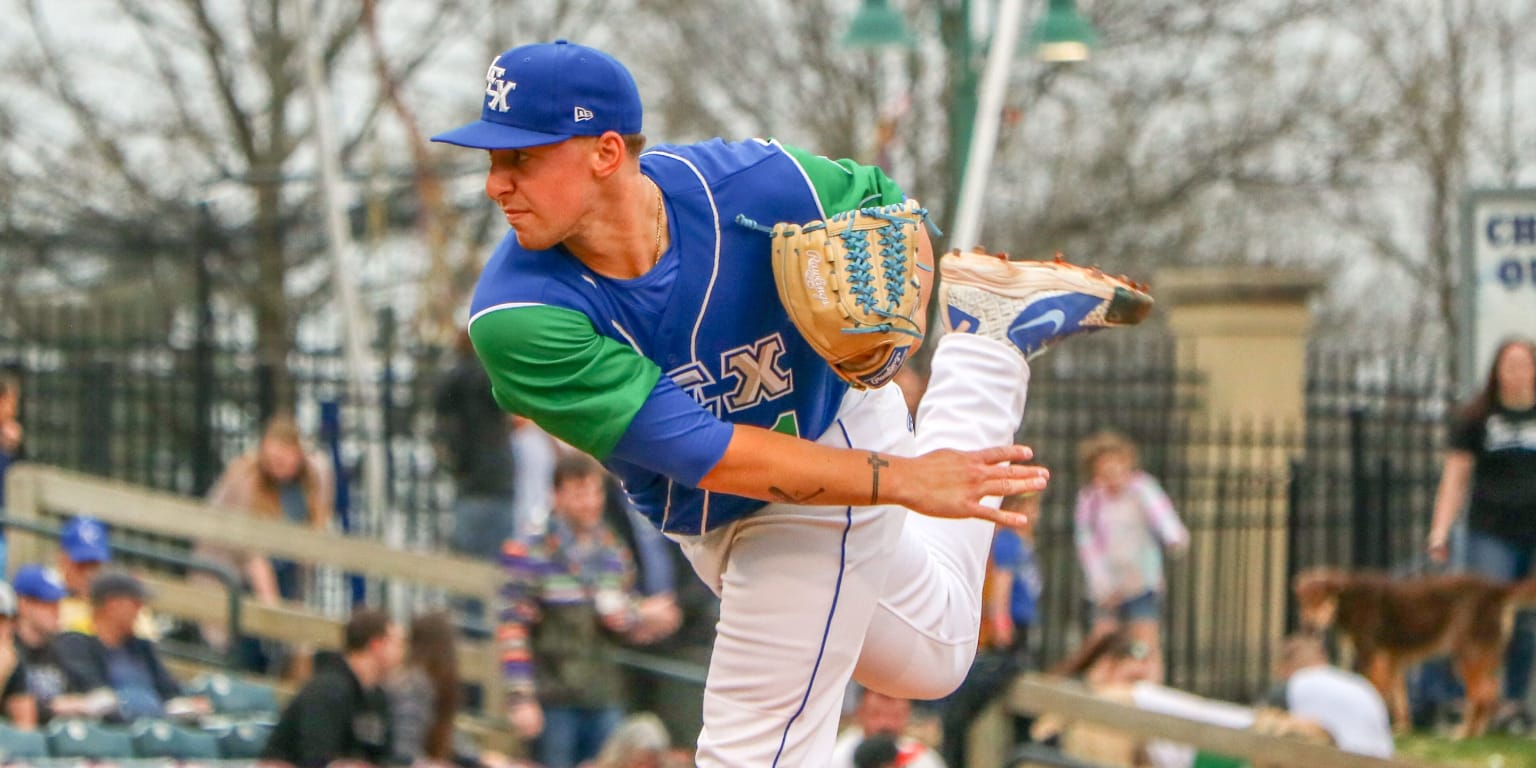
[[1501, 295]]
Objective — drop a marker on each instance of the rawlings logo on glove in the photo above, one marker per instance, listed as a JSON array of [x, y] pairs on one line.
[[854, 286]]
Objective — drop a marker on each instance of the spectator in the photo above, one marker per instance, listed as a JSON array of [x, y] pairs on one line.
[[474, 443], [1492, 462], [1118, 666], [877, 751], [677, 701], [1345, 704], [641, 741], [280, 480], [10, 441], [1122, 523], [424, 693], [1110, 664], [877, 714], [571, 595], [1008, 609], [114, 658], [38, 592], [342, 713], [16, 702], [655, 565], [84, 549]]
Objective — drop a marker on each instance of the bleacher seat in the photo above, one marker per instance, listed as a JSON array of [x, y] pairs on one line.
[[85, 739], [17, 745], [159, 738], [243, 741], [233, 696]]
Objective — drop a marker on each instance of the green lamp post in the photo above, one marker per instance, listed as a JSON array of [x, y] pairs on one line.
[[1061, 35], [876, 26]]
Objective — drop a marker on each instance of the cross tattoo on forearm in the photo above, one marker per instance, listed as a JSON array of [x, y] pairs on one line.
[[875, 463]]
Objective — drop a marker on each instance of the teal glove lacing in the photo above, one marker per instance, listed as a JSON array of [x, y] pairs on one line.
[[895, 260]]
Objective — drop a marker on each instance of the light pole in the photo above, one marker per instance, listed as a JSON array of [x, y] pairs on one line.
[[976, 108]]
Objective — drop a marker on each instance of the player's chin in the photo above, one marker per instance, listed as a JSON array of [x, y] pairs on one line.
[[528, 237]]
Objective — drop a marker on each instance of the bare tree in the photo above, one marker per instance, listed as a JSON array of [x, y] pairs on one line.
[[1433, 114], [1284, 131], [191, 101]]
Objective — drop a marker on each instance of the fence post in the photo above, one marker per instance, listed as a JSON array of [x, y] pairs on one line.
[[387, 330], [202, 357], [266, 392], [1293, 523], [1386, 531], [94, 451], [1362, 553]]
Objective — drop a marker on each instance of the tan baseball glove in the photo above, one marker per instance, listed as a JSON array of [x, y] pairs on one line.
[[857, 286]]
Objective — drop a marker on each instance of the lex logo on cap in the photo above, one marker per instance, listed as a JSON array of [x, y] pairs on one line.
[[497, 88]]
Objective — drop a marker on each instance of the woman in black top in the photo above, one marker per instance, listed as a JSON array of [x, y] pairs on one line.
[[1493, 455]]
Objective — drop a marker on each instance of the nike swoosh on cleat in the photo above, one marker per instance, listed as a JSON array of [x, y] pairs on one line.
[[1055, 317]]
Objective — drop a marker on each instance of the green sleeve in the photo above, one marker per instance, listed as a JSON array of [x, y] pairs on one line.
[[550, 365], [844, 185]]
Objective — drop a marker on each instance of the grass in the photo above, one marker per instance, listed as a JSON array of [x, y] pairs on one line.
[[1484, 752]]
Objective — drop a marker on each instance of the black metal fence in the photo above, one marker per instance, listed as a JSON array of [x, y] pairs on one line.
[[1353, 485], [130, 393], [147, 398]]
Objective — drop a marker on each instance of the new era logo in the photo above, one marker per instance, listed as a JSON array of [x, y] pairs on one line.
[[582, 113]]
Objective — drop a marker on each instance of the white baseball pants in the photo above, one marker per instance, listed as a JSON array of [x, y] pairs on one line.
[[813, 595]]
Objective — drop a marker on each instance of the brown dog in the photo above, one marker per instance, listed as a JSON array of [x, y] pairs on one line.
[[1392, 624]]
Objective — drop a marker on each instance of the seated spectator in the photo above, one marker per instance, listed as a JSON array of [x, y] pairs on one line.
[[1345, 704], [115, 658], [1119, 666], [342, 713], [877, 751], [38, 592], [11, 448], [641, 741], [424, 695], [83, 551], [16, 703], [877, 714]]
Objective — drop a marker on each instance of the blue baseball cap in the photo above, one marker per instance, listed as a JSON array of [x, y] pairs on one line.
[[39, 583], [84, 540], [549, 92]]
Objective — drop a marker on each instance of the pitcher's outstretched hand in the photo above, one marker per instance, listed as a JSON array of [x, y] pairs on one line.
[[949, 483]]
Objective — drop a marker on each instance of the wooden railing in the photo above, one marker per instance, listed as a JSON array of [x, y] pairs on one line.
[[1040, 695], [38, 494]]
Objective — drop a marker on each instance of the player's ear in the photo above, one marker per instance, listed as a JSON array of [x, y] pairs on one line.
[[609, 153]]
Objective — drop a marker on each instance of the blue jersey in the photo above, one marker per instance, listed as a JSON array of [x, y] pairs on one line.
[[684, 351]]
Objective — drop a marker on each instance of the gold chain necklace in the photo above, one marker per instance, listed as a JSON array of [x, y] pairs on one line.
[[659, 209]]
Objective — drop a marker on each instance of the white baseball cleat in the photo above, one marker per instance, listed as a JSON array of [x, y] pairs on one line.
[[1033, 304]]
